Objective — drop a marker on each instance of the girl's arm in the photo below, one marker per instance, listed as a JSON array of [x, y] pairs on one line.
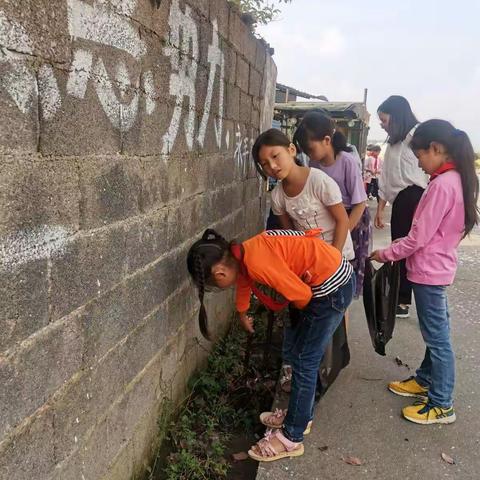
[[382, 184], [356, 215], [276, 273], [432, 209], [246, 322], [243, 292], [286, 222], [340, 216], [356, 193]]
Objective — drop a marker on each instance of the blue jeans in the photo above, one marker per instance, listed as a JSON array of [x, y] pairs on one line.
[[437, 371], [288, 342], [307, 345]]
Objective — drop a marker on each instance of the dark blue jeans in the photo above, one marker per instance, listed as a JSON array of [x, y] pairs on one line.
[[307, 344], [437, 371]]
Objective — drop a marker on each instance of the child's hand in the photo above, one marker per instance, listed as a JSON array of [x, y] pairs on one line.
[[376, 256], [246, 322], [307, 277], [378, 222]]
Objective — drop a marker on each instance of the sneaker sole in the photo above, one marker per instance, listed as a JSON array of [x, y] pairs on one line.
[[402, 315], [444, 420], [406, 394]]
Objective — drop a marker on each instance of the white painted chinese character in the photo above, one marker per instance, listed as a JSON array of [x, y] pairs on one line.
[[184, 55], [215, 58], [97, 23]]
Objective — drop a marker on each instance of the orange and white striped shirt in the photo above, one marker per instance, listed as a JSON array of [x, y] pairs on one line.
[[280, 259]]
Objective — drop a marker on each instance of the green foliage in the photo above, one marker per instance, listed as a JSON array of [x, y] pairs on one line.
[[224, 398], [261, 11]]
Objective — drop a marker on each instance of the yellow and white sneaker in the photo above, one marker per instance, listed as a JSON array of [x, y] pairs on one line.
[[408, 388], [427, 414]]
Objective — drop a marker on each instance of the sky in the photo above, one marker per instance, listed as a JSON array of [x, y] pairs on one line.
[[426, 50]]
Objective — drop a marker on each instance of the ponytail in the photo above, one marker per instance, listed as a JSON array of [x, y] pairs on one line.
[[464, 158], [317, 126], [339, 143], [202, 256], [202, 314], [460, 149]]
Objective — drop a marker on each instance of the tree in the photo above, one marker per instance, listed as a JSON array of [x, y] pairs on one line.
[[259, 11]]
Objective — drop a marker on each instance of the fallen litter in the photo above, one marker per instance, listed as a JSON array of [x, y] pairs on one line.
[[448, 459], [400, 363], [238, 457], [352, 461]]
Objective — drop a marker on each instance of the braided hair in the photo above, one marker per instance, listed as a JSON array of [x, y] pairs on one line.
[[211, 249]]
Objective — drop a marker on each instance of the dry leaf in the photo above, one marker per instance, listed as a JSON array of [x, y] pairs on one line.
[[448, 459], [238, 457], [400, 363], [323, 449], [352, 461]]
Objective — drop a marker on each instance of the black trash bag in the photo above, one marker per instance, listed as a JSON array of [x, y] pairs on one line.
[[380, 300], [335, 359]]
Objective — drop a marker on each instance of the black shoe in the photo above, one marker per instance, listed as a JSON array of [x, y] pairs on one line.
[[402, 312]]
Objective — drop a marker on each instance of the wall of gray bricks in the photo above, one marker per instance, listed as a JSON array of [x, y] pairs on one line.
[[125, 130]]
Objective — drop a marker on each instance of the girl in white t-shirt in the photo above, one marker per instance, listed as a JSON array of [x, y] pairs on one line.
[[305, 198]]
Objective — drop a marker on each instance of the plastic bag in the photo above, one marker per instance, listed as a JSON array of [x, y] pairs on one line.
[[380, 300]]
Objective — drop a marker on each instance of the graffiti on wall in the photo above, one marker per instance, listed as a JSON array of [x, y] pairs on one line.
[[20, 81], [243, 152], [118, 92], [38, 243], [269, 87], [96, 23], [216, 59]]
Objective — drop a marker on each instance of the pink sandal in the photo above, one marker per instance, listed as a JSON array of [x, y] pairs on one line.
[[275, 420], [267, 452]]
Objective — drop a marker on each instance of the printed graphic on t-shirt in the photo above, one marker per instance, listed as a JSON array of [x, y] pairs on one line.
[[306, 218]]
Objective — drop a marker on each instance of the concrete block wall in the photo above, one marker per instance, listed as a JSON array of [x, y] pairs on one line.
[[125, 130]]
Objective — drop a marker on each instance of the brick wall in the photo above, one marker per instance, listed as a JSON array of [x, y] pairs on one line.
[[125, 130]]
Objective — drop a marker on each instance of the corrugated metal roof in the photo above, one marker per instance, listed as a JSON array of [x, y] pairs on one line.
[[298, 93], [350, 109]]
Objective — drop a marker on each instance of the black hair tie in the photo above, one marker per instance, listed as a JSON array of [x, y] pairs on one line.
[[214, 245]]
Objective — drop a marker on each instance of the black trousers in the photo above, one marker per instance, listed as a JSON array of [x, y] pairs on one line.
[[372, 188], [272, 222], [403, 209]]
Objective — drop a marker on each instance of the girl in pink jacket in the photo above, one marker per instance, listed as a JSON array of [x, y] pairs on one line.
[[446, 213]]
